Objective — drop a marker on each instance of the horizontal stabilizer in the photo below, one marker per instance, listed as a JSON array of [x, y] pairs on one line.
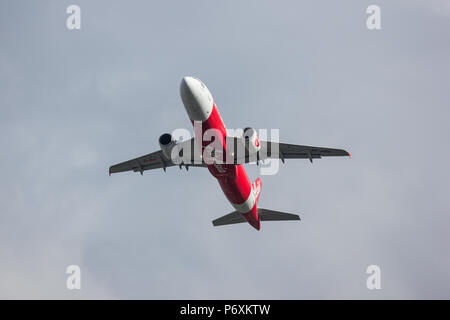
[[263, 214], [231, 218], [272, 215]]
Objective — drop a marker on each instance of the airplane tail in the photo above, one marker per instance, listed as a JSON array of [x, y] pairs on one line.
[[263, 214]]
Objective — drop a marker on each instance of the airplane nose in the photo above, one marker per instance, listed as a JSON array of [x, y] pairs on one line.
[[187, 85], [187, 91], [196, 99]]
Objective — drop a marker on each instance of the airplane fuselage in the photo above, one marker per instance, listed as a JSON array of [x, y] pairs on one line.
[[232, 178]]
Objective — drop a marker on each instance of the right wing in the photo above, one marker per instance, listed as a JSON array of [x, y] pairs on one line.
[[156, 160]]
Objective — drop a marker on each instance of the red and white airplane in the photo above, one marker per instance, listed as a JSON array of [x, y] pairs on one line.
[[223, 155]]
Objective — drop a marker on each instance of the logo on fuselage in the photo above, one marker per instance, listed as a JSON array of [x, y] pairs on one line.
[[256, 187]]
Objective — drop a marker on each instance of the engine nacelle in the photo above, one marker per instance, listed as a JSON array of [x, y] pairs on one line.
[[167, 144], [251, 140]]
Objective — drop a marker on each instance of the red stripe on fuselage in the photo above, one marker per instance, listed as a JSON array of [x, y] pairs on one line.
[[232, 178]]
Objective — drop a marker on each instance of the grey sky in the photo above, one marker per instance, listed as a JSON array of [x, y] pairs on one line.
[[75, 102]]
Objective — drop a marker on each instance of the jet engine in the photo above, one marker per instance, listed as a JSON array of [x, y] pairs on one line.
[[251, 140], [167, 144]]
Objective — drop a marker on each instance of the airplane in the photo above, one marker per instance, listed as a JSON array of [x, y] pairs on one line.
[[225, 159]]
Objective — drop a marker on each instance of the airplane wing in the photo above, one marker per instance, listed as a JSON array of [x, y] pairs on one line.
[[275, 150], [154, 160], [294, 151], [269, 150]]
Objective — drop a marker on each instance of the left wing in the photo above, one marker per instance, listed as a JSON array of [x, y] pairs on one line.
[[275, 150], [294, 151]]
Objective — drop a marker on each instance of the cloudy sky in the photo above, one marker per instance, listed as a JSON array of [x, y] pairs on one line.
[[73, 102]]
